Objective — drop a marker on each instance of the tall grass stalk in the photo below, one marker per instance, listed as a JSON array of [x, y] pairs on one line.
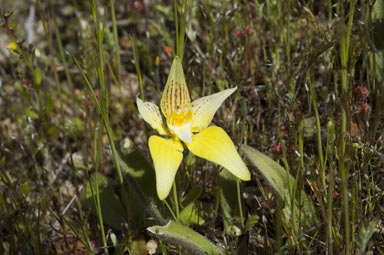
[[138, 70], [291, 187], [63, 220], [331, 184], [61, 49], [47, 28], [103, 89], [344, 57], [87, 241], [115, 42], [180, 24], [97, 197], [96, 194], [102, 106], [318, 133]]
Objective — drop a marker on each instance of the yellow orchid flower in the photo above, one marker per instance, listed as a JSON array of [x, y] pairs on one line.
[[187, 122]]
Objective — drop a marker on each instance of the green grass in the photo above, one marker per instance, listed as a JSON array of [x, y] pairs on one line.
[[75, 171]]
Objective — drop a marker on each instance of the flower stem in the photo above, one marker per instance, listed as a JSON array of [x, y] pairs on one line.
[[176, 200], [239, 200], [170, 209], [343, 168]]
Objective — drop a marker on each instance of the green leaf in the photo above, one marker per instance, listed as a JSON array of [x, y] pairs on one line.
[[179, 235], [191, 197], [14, 25], [111, 206], [303, 208], [251, 221], [378, 10], [37, 75], [30, 113], [113, 238], [365, 235], [1, 199], [53, 132], [142, 188], [25, 188], [377, 28], [229, 202], [74, 125], [138, 245], [164, 9], [379, 60], [378, 14], [190, 215], [49, 105], [2, 161]]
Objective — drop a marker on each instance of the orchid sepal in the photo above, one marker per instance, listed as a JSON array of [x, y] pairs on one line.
[[151, 114], [167, 154], [204, 108], [213, 144]]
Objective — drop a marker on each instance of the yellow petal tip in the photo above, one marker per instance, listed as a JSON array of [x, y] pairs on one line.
[[215, 145], [167, 156], [247, 177], [162, 196]]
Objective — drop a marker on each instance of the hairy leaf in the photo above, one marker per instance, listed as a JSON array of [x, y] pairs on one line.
[[185, 238]]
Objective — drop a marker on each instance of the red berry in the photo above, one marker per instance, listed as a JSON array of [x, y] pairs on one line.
[[276, 148], [256, 21], [362, 92], [265, 205], [168, 50], [239, 32], [97, 94], [283, 130], [249, 30], [83, 116], [138, 6], [364, 108], [298, 113]]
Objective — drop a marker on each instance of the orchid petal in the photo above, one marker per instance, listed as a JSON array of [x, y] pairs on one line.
[[215, 145], [175, 96], [203, 109], [182, 132], [151, 114], [167, 155]]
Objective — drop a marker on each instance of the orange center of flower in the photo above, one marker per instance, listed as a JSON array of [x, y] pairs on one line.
[[179, 123]]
